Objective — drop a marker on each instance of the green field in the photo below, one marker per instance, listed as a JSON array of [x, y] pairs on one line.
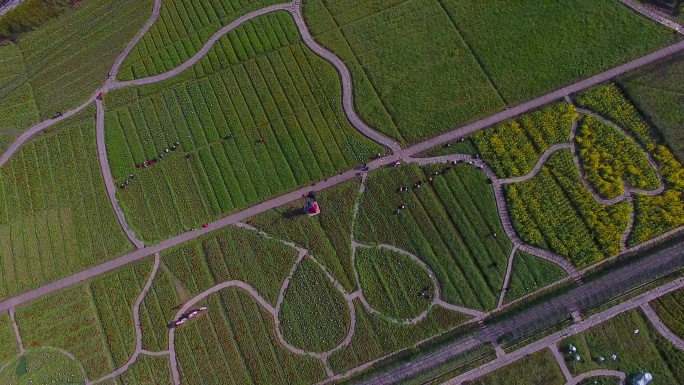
[[452, 224], [147, 370], [327, 236], [420, 67], [159, 307], [646, 350], [314, 315], [670, 309], [609, 159], [181, 30], [375, 336], [250, 86], [55, 217], [531, 273], [456, 147], [231, 254], [42, 366], [513, 148], [554, 211], [59, 66], [8, 343], [539, 368], [392, 283], [235, 343]]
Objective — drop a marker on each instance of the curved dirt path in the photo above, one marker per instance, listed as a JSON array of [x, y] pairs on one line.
[[107, 175], [16, 332], [507, 277], [136, 324], [598, 373], [661, 327]]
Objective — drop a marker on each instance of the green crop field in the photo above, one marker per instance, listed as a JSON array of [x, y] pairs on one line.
[[42, 366], [554, 211], [456, 147], [314, 315], [181, 30], [327, 236], [59, 66], [147, 370], [670, 309], [609, 159], [658, 93], [8, 343], [514, 147], [266, 86], [392, 282], [531, 273], [235, 343], [375, 336], [647, 350], [55, 217], [451, 223], [654, 215], [158, 309], [231, 254], [539, 368], [420, 67]]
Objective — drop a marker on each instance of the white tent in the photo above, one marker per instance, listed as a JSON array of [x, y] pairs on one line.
[[642, 378]]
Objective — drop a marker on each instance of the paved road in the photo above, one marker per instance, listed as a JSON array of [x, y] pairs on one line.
[[548, 313]]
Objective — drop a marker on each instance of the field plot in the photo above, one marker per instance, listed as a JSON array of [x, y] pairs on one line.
[[59, 66], [539, 368], [413, 74], [375, 337], [531, 273], [659, 95], [451, 224], [235, 343], [314, 316], [8, 343], [670, 309], [327, 236], [609, 159], [392, 282], [228, 254], [148, 370], [422, 66], [654, 215], [55, 218], [158, 309], [181, 30], [514, 147], [457, 147], [646, 350], [250, 86], [554, 211], [42, 366]]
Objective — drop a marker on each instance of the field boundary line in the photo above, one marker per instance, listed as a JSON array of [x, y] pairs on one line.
[[507, 277], [16, 332]]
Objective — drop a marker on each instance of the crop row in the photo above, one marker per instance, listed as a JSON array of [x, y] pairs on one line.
[[513, 148], [147, 370], [451, 223], [314, 315], [327, 236], [553, 210], [609, 159], [394, 284], [55, 218], [181, 30], [531, 273], [670, 309], [235, 343]]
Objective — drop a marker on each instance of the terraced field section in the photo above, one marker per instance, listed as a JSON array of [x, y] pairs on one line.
[[450, 223], [531, 273], [327, 236], [59, 66], [254, 118], [420, 67], [55, 218], [235, 343], [92, 320], [647, 350], [539, 368], [181, 30], [654, 214], [670, 309]]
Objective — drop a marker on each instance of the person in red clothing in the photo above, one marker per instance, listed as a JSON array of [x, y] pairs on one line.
[[205, 225]]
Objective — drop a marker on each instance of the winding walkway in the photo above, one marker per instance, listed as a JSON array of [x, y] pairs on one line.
[[598, 373], [661, 327]]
